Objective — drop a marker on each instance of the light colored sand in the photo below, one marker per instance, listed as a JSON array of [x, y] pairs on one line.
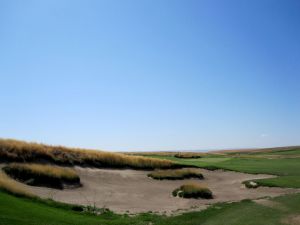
[[133, 191]]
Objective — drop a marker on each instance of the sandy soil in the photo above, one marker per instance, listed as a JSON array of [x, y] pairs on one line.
[[132, 191]]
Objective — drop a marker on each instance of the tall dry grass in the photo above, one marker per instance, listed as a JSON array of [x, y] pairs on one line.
[[193, 190], [43, 175], [176, 174], [44, 170], [20, 151], [13, 187], [189, 155]]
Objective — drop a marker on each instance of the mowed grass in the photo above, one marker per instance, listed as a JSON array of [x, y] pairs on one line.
[[42, 175], [282, 181], [288, 169], [20, 151], [20, 211], [176, 174]]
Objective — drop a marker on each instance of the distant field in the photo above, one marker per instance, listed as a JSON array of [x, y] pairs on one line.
[[259, 150], [20, 211], [285, 166]]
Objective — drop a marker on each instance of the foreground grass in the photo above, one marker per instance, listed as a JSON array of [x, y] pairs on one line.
[[20, 211], [176, 174], [42, 175], [19, 151]]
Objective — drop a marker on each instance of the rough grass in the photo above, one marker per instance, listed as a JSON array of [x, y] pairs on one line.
[[43, 175], [19, 151], [11, 186], [176, 174], [192, 190], [188, 155]]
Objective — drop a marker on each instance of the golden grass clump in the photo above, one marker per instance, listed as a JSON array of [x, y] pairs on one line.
[[189, 155], [43, 175], [11, 186], [20, 151], [52, 171], [193, 190], [176, 174]]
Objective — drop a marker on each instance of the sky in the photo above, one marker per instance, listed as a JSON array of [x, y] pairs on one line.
[[134, 75]]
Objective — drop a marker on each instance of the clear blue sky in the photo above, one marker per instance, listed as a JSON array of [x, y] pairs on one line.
[[151, 74]]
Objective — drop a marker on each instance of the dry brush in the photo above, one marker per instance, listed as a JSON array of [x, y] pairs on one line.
[[20, 151]]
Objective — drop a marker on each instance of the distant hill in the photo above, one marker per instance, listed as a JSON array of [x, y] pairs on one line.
[[257, 150]]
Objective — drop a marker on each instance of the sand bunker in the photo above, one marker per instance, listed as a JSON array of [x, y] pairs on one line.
[[132, 191]]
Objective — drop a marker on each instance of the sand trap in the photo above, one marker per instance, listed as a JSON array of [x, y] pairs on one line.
[[132, 191]]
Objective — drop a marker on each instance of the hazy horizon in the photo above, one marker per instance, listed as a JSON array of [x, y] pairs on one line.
[[151, 75]]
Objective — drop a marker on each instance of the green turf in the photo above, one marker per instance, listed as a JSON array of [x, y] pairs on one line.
[[283, 181], [243, 213], [287, 168], [15, 211]]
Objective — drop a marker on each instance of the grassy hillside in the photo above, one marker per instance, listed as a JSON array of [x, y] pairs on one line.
[[19, 151], [20, 211], [284, 163]]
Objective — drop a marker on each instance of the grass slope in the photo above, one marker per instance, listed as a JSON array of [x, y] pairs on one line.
[[20, 151], [20, 211]]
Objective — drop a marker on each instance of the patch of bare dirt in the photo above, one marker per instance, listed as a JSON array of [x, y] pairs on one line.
[[132, 191]]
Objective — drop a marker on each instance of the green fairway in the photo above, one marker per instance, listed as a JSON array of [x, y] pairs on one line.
[[288, 169], [283, 181], [20, 211]]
